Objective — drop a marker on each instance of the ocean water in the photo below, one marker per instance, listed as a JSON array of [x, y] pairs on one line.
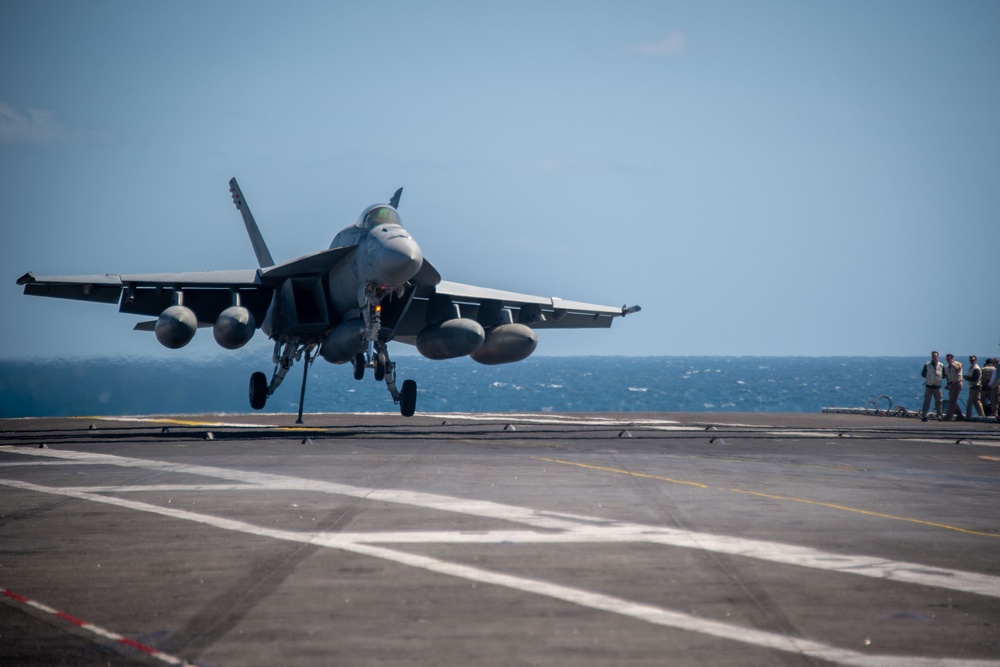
[[111, 386]]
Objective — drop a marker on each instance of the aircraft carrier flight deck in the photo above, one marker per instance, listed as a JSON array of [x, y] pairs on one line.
[[499, 539]]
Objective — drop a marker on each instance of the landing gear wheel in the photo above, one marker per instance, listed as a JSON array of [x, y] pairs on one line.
[[258, 390], [408, 399], [380, 362], [359, 366]]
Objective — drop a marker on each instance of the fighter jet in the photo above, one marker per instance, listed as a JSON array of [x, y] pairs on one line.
[[345, 304]]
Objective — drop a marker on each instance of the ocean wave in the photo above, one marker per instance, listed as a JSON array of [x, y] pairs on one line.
[[109, 386]]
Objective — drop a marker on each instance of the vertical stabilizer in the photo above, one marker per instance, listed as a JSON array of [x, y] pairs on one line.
[[259, 247]]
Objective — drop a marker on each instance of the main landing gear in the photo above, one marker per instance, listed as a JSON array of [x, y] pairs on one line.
[[260, 389], [377, 359]]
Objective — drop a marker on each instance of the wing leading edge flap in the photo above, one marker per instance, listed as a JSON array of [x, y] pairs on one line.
[[108, 288], [99, 289], [554, 313], [474, 294], [221, 279]]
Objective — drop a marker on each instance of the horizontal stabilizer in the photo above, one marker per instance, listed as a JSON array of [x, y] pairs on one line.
[[150, 325]]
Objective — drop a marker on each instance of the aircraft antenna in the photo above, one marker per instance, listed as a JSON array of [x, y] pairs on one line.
[[394, 202]]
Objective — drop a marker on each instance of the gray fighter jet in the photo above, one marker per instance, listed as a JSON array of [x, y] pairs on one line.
[[345, 304]]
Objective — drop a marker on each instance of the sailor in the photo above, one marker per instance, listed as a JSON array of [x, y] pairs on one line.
[[995, 389], [989, 405], [953, 374], [975, 379], [932, 373]]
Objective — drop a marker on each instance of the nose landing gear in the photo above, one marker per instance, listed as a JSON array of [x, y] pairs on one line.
[[385, 370]]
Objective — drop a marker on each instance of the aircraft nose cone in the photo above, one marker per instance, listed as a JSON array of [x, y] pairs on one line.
[[399, 260]]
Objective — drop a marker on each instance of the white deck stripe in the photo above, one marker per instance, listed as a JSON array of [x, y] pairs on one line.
[[571, 528], [591, 600], [776, 552]]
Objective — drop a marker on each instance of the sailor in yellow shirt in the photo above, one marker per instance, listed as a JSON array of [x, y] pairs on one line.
[[953, 375], [975, 378]]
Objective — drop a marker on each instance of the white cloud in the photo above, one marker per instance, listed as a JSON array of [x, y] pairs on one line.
[[40, 127], [673, 44], [34, 126]]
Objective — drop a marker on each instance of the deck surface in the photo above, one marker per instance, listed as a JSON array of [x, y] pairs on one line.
[[458, 539]]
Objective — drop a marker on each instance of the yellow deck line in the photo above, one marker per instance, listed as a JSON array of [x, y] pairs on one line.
[[189, 422], [769, 496]]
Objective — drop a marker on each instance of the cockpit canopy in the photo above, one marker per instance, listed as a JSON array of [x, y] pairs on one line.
[[373, 217], [379, 214]]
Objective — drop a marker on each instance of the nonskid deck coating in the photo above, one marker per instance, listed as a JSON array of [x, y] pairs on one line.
[[500, 539]]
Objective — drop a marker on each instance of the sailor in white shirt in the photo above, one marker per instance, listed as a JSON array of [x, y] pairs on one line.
[[933, 374]]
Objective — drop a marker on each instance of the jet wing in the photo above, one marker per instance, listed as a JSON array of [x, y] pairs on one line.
[[537, 312], [207, 293], [102, 288]]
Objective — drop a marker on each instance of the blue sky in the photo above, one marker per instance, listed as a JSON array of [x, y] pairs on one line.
[[763, 178]]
